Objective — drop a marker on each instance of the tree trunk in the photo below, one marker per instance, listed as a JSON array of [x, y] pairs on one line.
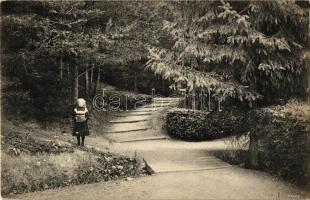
[[91, 77], [68, 71], [163, 86], [61, 68], [220, 104], [86, 81], [187, 98], [97, 81], [200, 100], [308, 158], [135, 82], [307, 63], [253, 151], [209, 99], [25, 68], [194, 98], [75, 84]]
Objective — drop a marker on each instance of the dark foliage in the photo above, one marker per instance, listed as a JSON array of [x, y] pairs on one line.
[[282, 143], [201, 125], [126, 76], [249, 51], [43, 42], [124, 100]]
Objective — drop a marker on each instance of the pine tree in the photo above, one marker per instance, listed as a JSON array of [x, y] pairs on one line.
[[229, 52]]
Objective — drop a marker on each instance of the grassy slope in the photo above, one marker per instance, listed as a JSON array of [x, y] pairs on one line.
[[37, 156]]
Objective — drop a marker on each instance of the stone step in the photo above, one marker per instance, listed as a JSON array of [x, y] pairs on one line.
[[157, 106], [160, 103], [131, 135], [144, 110], [137, 131], [126, 131], [128, 126], [135, 114], [164, 102], [182, 169], [165, 98], [144, 139], [138, 114], [186, 165], [209, 161], [128, 121]]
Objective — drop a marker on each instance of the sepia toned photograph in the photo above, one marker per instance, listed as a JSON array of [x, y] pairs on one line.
[[155, 100]]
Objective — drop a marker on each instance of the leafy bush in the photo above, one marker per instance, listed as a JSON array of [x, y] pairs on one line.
[[201, 125], [282, 143], [44, 101], [282, 133]]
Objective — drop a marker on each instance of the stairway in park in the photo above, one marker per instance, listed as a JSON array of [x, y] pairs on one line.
[[140, 132], [136, 125]]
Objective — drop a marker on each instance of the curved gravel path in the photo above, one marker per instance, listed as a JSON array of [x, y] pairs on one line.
[[183, 170]]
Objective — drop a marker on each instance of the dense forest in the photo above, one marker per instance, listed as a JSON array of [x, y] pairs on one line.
[[235, 82], [249, 52]]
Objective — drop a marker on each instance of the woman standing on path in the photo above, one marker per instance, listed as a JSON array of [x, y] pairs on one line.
[[80, 118]]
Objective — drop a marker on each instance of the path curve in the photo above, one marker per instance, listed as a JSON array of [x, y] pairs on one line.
[[183, 170]]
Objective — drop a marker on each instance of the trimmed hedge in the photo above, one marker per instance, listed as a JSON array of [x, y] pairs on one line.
[[201, 125], [283, 147]]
